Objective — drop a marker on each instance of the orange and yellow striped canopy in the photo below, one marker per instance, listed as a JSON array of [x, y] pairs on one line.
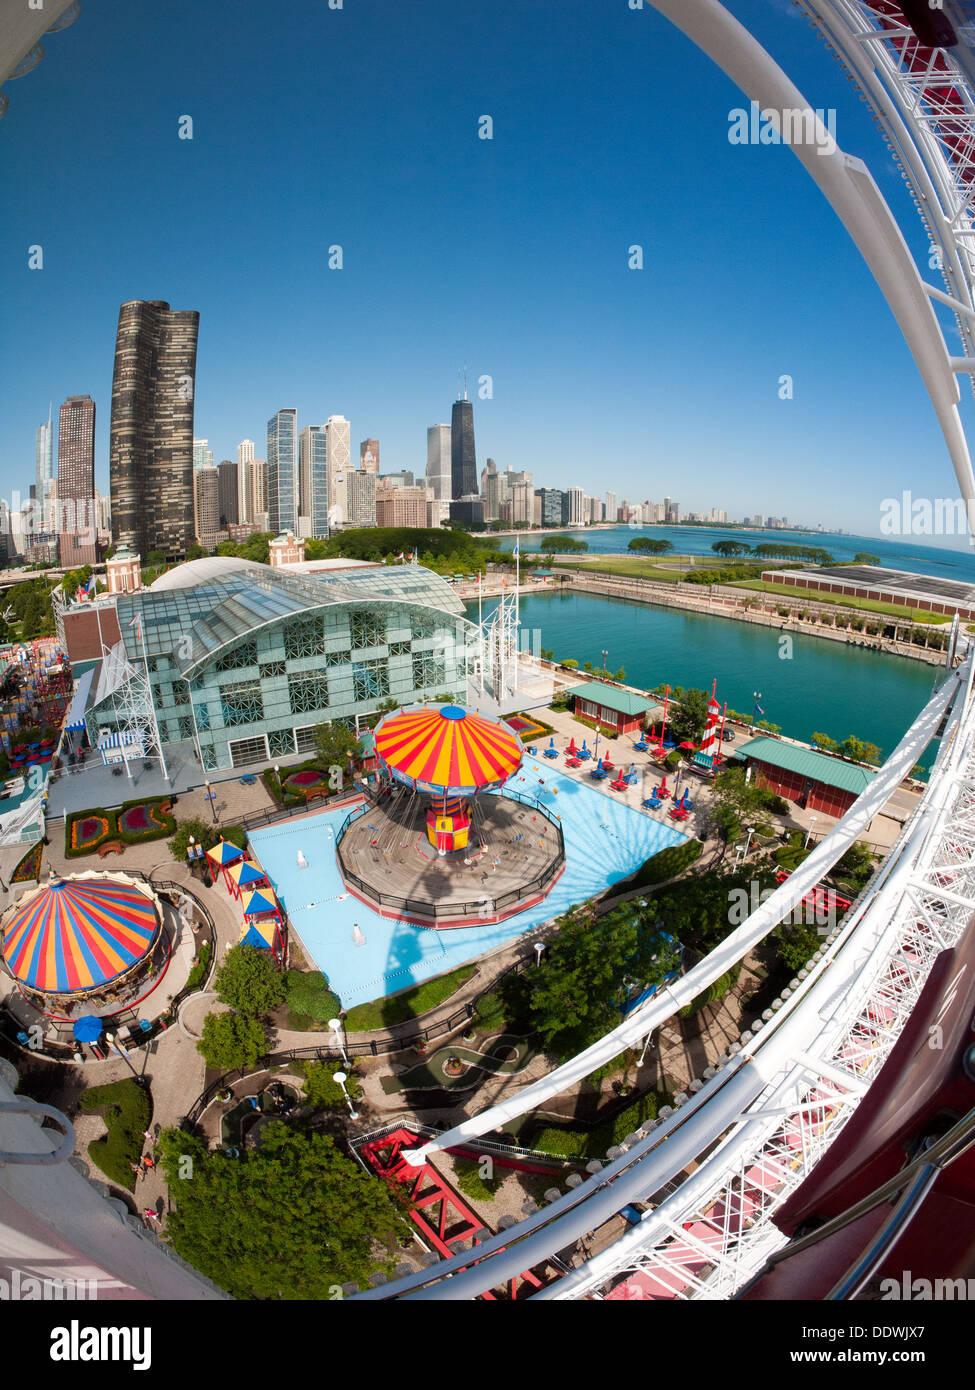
[[448, 749], [78, 934]]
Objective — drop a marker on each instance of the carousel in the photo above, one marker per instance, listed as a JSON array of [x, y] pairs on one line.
[[454, 835], [85, 944]]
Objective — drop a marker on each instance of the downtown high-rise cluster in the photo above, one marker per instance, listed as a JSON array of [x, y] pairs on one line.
[[168, 494]]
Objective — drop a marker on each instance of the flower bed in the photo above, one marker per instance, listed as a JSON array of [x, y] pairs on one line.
[[84, 831], [135, 823], [29, 868], [144, 820]]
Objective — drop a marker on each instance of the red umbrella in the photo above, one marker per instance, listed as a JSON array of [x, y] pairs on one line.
[[688, 744]]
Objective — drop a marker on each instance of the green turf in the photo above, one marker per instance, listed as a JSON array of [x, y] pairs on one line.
[[400, 1008], [893, 610]]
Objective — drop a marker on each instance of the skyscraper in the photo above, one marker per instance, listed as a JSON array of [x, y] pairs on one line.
[[44, 460], [282, 472], [463, 462], [369, 456], [245, 480], [438, 475], [206, 503], [362, 498], [202, 456], [77, 525], [151, 438], [313, 479], [229, 515], [338, 438]]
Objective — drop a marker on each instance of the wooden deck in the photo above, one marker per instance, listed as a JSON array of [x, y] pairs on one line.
[[391, 853]]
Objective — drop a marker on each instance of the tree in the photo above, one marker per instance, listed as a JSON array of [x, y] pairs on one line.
[[567, 545], [205, 833], [292, 1219], [823, 741], [738, 804], [620, 674], [322, 1091], [863, 557], [155, 558], [336, 745], [195, 552], [795, 943], [576, 992], [859, 751], [232, 1040], [647, 546], [731, 548], [249, 981], [688, 719]]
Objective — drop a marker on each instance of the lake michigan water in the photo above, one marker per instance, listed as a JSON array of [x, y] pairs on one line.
[[825, 686]]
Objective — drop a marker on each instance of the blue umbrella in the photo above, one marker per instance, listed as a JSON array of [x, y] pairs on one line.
[[88, 1028]]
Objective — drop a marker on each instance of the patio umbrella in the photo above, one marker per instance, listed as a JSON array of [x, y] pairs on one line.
[[687, 744], [87, 1028]]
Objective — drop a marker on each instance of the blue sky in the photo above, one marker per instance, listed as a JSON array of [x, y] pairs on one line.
[[359, 127]]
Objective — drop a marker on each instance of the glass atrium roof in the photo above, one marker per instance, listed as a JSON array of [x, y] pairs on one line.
[[228, 605]]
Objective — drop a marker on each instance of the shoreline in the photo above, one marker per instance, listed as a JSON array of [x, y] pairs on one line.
[[724, 603]]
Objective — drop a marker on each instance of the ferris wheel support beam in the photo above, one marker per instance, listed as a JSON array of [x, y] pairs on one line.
[[850, 189]]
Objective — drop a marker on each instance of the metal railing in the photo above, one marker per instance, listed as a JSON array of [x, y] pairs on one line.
[[484, 907]]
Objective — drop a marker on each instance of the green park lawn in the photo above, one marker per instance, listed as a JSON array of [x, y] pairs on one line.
[[869, 605], [400, 1008]]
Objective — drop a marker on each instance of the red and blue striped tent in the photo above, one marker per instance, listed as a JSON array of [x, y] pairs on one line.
[[447, 749], [79, 934]]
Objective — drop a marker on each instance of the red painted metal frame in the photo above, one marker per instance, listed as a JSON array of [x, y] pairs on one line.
[[451, 1219]]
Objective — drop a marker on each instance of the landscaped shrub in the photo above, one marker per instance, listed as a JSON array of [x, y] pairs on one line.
[[127, 1108], [308, 996], [665, 864], [321, 1089], [198, 972]]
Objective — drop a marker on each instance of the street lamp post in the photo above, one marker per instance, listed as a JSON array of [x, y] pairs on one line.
[[336, 1026], [605, 659], [812, 822], [211, 797], [341, 1078], [538, 948]]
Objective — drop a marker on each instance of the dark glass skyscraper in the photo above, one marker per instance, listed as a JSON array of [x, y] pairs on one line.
[[151, 442], [463, 465]]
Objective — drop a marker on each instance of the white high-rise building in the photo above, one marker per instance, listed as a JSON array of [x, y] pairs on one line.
[[338, 449], [245, 480], [578, 512], [313, 480], [438, 462], [611, 506], [44, 458]]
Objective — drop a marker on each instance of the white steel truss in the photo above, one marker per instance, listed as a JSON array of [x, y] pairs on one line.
[[125, 691], [759, 1122], [924, 100]]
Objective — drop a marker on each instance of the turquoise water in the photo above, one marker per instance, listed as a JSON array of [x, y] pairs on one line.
[[824, 686], [605, 841], [697, 540]]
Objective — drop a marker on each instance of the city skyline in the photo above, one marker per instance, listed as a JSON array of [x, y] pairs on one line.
[[593, 368]]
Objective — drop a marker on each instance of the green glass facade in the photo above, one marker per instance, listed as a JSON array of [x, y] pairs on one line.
[[249, 659]]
